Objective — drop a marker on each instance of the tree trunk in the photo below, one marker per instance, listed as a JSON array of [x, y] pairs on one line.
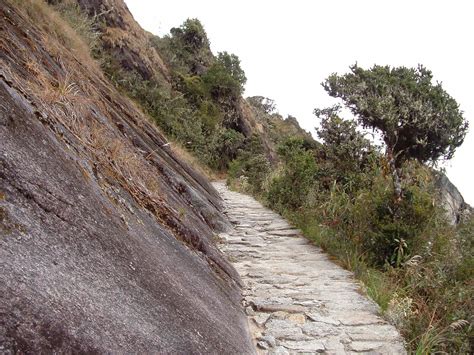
[[396, 172], [397, 184]]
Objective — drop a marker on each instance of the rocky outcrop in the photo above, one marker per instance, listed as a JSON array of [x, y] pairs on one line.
[[107, 236], [272, 127], [451, 199], [125, 41]]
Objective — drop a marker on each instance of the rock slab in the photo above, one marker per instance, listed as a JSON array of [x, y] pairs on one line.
[[107, 237]]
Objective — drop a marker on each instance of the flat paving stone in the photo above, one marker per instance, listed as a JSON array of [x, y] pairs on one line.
[[297, 300]]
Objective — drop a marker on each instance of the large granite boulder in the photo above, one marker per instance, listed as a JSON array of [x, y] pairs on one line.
[[107, 236]]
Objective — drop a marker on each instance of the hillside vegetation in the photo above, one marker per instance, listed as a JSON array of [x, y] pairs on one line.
[[377, 211]]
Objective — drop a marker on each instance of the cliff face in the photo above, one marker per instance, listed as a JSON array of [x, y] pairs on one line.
[[107, 236], [451, 199], [124, 39]]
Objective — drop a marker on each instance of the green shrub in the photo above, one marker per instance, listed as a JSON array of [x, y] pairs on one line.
[[186, 49], [193, 88], [395, 228], [223, 148], [288, 190], [251, 166], [231, 63], [346, 154], [210, 116], [255, 170], [220, 84]]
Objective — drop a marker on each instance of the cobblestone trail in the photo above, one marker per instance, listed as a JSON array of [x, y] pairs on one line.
[[297, 300]]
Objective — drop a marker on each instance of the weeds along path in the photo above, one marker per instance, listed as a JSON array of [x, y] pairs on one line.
[[296, 299]]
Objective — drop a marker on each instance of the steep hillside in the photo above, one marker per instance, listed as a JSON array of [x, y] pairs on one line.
[[194, 95], [107, 236], [126, 43]]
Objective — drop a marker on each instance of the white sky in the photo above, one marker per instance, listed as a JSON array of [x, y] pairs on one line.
[[287, 48]]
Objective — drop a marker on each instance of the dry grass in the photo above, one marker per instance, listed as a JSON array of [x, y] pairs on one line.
[[115, 157], [193, 162], [121, 163], [61, 91], [73, 99], [65, 105], [58, 34], [117, 37]]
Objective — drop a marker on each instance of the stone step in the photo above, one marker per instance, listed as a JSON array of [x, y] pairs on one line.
[[296, 298]]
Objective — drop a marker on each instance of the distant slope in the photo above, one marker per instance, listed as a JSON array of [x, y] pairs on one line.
[[181, 84]]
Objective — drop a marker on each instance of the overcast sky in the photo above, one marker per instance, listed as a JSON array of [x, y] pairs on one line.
[[287, 48]]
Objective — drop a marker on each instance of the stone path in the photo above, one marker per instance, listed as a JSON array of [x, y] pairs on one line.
[[297, 300]]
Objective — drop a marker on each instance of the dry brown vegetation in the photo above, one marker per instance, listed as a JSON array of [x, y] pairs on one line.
[[75, 100], [56, 33], [192, 161], [76, 109]]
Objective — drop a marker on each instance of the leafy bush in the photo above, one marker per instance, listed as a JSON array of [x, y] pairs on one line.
[[198, 97], [223, 148], [220, 83], [231, 63], [192, 87], [210, 116], [252, 165], [346, 154], [288, 190], [387, 231], [186, 49]]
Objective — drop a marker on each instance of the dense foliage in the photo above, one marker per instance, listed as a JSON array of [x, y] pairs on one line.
[[251, 166], [412, 262], [187, 47], [346, 151], [416, 118], [201, 108], [231, 64]]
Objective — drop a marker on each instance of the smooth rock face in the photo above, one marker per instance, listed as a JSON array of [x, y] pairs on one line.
[[300, 301], [455, 207], [107, 238]]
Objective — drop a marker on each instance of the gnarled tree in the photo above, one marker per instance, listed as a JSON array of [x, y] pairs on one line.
[[346, 151], [417, 119]]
